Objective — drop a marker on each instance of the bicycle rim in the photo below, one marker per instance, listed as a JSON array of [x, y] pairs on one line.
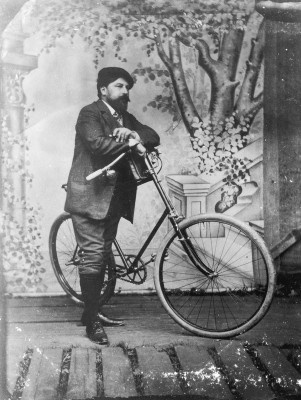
[[236, 295], [64, 259]]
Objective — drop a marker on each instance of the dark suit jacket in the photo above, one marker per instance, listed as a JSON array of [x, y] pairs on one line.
[[94, 149]]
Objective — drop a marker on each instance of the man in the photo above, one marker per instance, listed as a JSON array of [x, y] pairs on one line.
[[104, 130]]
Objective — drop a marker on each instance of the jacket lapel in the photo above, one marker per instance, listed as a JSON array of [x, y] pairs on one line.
[[112, 122], [106, 115]]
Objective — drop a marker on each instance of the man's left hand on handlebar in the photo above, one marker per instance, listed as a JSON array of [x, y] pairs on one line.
[[137, 146], [123, 134]]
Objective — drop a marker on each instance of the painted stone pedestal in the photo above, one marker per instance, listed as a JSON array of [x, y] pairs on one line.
[[188, 194]]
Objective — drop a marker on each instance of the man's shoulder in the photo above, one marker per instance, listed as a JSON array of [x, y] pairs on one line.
[[96, 106]]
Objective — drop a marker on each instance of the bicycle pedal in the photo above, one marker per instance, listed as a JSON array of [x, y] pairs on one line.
[[75, 261]]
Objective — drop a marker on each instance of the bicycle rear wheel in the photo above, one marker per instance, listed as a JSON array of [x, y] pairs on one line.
[[235, 296], [65, 260]]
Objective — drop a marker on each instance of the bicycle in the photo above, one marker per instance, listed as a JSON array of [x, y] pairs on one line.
[[213, 274]]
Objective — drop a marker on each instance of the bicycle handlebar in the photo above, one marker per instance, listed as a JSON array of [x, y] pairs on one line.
[[95, 174]]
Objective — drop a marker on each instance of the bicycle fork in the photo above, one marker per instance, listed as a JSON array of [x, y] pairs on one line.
[[194, 257], [175, 218]]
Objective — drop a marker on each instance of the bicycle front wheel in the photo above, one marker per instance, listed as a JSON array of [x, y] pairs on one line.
[[236, 289], [65, 260]]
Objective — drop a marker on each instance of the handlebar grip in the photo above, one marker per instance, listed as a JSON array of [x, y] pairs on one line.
[[102, 170], [140, 149], [95, 174]]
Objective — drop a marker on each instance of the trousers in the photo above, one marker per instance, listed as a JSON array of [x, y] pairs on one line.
[[95, 237]]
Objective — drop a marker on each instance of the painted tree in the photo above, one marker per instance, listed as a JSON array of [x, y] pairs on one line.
[[210, 32]]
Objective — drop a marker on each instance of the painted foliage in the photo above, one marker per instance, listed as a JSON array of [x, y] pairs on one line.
[[199, 45]]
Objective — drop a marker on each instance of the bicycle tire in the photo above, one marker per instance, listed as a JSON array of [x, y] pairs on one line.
[[239, 294], [63, 250]]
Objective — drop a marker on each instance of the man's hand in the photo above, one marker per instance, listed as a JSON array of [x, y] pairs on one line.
[[137, 147], [123, 134]]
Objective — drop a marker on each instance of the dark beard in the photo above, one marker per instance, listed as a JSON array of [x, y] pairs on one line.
[[120, 105]]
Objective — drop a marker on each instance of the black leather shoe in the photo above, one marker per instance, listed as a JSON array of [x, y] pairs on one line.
[[104, 319], [96, 333]]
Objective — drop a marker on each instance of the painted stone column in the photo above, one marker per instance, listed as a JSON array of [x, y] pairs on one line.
[[15, 66], [282, 120]]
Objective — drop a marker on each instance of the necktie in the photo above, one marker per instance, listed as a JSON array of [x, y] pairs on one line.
[[118, 117]]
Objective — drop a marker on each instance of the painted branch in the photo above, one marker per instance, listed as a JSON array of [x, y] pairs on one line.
[[256, 105], [222, 89], [216, 71], [230, 51], [246, 105], [222, 74], [173, 63], [285, 12], [161, 52], [218, 77], [205, 60], [184, 100]]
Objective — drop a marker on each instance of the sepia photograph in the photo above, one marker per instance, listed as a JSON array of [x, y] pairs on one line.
[[150, 236]]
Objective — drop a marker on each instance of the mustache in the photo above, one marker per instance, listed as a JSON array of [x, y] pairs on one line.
[[125, 97]]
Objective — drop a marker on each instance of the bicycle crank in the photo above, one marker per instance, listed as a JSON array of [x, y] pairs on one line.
[[136, 274]]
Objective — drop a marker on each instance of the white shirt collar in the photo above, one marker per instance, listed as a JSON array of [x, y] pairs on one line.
[[112, 111]]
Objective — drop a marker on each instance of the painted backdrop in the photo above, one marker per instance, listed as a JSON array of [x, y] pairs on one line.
[[198, 72]]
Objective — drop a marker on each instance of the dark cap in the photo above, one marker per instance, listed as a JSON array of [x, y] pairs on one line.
[[111, 74]]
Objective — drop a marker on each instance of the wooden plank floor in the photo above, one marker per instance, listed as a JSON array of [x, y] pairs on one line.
[[49, 357], [197, 373], [200, 373]]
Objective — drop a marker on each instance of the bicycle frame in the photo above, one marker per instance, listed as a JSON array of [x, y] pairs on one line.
[[174, 218]]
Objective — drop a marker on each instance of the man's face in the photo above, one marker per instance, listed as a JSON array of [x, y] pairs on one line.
[[117, 94]]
